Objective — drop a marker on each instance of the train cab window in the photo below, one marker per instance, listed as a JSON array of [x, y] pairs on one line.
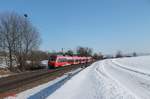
[[52, 59]]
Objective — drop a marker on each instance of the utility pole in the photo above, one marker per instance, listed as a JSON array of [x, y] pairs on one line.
[[62, 50]]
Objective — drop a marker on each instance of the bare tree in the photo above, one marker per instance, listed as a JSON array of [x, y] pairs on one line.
[[18, 37], [134, 54], [97, 56], [84, 51], [7, 34], [119, 54], [69, 52]]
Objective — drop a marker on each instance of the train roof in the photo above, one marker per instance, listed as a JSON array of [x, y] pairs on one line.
[[70, 57]]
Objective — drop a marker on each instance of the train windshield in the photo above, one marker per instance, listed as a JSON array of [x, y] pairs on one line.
[[52, 59]]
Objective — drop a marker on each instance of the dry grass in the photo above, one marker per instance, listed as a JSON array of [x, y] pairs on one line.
[[5, 71]]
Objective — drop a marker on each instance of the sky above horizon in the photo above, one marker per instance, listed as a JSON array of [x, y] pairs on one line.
[[104, 25]]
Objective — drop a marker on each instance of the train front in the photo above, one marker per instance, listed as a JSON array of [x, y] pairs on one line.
[[52, 62]]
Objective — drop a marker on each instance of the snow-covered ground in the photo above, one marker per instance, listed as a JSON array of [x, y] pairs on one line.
[[44, 63], [3, 64], [3, 76], [126, 78], [141, 63]]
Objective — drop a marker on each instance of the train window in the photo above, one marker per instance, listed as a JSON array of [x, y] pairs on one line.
[[59, 60], [70, 60], [62, 60]]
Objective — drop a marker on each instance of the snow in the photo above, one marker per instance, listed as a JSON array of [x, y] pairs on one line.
[[3, 63], [131, 80], [3, 66], [91, 83], [4, 75], [126, 78], [41, 63], [138, 63], [44, 62], [28, 62], [122, 78]]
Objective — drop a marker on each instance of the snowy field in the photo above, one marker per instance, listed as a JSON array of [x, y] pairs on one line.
[[126, 78]]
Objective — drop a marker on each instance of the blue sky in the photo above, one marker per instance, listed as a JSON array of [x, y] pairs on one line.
[[104, 25]]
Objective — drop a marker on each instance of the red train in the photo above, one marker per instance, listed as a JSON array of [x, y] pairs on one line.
[[59, 61]]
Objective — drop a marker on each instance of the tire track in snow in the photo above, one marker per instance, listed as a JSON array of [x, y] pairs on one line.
[[129, 79], [129, 69], [111, 89], [145, 77]]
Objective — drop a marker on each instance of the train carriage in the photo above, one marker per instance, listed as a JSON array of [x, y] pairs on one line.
[[70, 60], [57, 61]]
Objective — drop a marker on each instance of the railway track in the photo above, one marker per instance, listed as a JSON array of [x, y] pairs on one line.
[[8, 84]]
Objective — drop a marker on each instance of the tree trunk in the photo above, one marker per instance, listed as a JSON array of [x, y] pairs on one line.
[[10, 60]]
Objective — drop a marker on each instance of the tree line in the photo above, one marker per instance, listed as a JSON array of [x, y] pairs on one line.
[[80, 51]]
